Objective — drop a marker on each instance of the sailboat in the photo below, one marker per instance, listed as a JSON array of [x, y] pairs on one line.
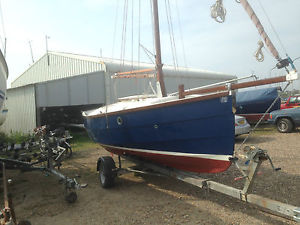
[[3, 78], [192, 130]]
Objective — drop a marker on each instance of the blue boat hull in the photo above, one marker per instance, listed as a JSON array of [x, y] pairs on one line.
[[188, 133]]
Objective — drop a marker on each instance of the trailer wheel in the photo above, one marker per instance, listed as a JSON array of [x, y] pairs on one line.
[[106, 166], [68, 150], [71, 197], [285, 125]]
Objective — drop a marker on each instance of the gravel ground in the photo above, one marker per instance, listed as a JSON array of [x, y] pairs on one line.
[[157, 200]]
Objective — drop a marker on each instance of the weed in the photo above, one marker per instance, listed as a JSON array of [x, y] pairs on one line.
[[81, 140], [16, 137]]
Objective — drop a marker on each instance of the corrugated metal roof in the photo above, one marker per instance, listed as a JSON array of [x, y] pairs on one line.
[[57, 65], [117, 65]]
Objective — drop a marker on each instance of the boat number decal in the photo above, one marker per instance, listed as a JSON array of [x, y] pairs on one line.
[[224, 99], [119, 120], [155, 126]]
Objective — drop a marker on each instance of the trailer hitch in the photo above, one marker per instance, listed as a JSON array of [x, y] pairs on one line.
[[250, 160]]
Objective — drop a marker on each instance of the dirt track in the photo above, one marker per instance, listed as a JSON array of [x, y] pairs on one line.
[[157, 200]]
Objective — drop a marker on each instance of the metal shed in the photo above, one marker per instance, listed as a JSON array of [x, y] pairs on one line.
[[60, 85], [22, 110]]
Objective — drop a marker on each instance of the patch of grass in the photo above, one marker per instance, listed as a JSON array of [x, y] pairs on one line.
[[81, 140], [16, 137]]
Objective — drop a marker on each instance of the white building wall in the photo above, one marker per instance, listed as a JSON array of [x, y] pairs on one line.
[[86, 89], [21, 116]]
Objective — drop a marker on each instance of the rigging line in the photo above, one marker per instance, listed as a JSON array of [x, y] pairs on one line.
[[115, 29], [2, 23], [132, 39], [123, 45], [132, 14], [273, 28], [169, 16], [262, 117], [181, 36], [139, 42], [148, 53], [122, 35], [173, 43], [139, 35], [152, 26], [125, 32], [296, 59], [2, 19], [171, 35]]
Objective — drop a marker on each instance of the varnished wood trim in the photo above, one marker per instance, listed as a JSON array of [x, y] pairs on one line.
[[237, 86], [258, 82], [135, 71], [206, 90], [165, 104]]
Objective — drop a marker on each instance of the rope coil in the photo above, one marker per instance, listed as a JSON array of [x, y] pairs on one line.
[[218, 12], [259, 54]]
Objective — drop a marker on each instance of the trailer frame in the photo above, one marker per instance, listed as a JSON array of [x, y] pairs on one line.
[[254, 158]]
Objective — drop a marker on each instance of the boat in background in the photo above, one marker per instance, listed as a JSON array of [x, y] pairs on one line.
[[254, 103], [191, 130], [3, 78]]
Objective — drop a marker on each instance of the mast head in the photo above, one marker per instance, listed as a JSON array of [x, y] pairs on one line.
[[284, 63]]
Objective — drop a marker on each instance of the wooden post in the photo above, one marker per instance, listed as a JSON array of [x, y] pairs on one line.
[[181, 91]]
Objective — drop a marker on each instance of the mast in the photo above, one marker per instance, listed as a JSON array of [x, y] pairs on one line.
[[158, 63], [260, 28]]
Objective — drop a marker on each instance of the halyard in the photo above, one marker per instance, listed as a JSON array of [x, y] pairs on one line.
[[150, 199]]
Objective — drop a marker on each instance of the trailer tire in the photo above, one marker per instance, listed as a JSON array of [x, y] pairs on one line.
[[71, 197], [68, 150], [106, 166], [284, 125]]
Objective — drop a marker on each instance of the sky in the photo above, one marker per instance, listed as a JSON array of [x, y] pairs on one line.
[[94, 27]]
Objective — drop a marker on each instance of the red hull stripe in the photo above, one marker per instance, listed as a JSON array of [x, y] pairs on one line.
[[186, 163]]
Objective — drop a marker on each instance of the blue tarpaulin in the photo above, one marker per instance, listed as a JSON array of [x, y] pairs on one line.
[[257, 101]]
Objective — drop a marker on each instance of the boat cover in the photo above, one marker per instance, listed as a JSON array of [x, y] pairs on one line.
[[257, 101]]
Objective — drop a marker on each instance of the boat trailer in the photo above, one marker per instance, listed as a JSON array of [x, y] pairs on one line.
[[45, 155], [70, 184], [248, 166]]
